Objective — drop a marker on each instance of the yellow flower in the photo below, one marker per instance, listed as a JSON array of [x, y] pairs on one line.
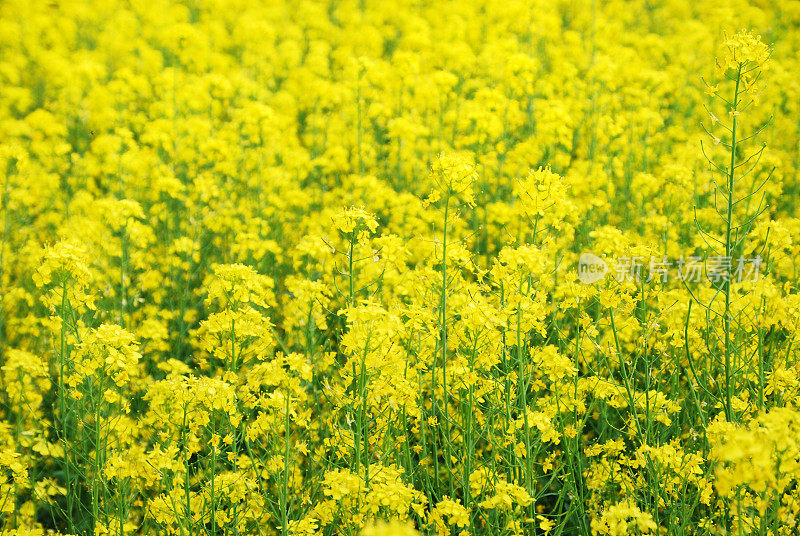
[[235, 285], [355, 222], [455, 174], [623, 518], [448, 512], [545, 524], [390, 528], [743, 50]]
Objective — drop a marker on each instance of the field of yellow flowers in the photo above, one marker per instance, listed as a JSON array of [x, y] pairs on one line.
[[399, 267]]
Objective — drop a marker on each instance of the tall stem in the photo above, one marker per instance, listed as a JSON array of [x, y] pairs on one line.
[[443, 345], [728, 252], [62, 406]]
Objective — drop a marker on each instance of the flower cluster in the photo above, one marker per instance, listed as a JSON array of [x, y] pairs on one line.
[[308, 268]]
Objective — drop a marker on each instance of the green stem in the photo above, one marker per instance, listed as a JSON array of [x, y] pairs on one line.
[[728, 251], [443, 326]]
